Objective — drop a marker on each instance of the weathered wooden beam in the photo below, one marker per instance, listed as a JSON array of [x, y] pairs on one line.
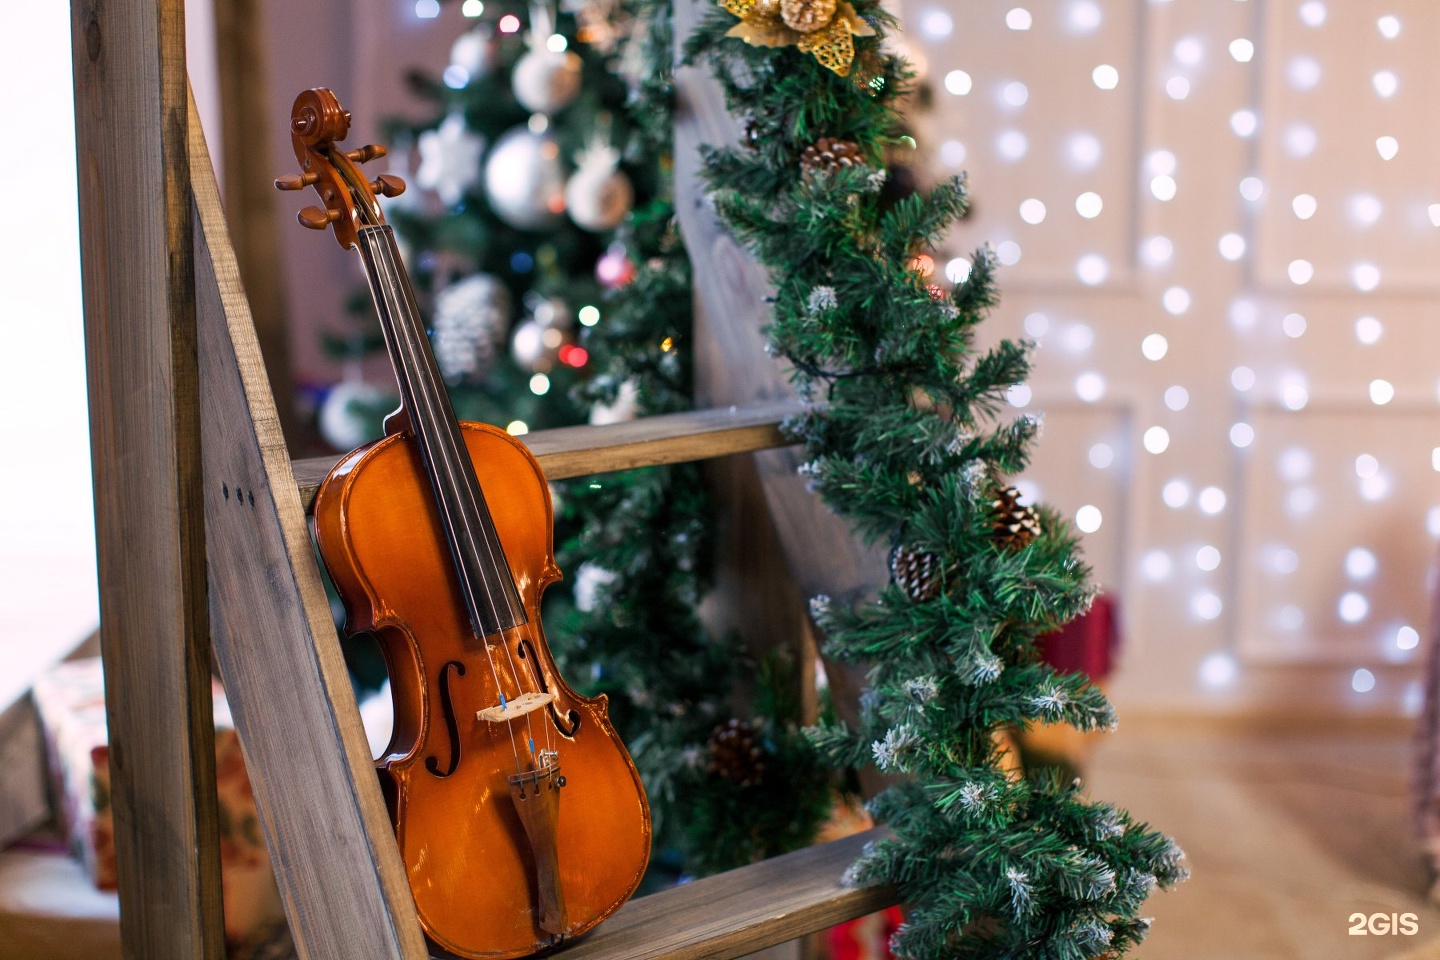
[[736, 913], [140, 343], [581, 451], [325, 822], [731, 364], [243, 70]]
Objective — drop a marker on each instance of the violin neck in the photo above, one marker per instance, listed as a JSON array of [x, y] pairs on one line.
[[491, 598]]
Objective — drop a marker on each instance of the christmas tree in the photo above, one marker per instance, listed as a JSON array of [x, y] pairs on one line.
[[906, 437]]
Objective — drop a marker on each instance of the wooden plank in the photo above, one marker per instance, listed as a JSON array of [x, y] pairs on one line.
[[731, 365], [138, 274], [325, 822], [250, 197], [581, 451], [736, 913]]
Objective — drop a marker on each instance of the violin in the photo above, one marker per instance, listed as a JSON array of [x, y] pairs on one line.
[[519, 815]]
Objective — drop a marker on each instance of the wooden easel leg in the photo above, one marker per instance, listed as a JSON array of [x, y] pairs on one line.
[[131, 124]]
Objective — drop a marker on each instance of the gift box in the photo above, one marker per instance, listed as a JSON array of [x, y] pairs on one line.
[[70, 700]]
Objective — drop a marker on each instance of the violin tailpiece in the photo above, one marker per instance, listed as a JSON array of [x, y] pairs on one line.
[[537, 800]]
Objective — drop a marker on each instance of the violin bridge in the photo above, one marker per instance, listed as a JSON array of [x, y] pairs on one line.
[[519, 707]]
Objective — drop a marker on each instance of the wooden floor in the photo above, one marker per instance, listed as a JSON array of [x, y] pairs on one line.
[[1288, 834]]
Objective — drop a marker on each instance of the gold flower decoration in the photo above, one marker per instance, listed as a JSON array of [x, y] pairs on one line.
[[823, 28]]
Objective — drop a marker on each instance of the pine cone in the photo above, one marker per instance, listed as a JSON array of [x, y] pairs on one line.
[[1016, 525], [807, 16], [919, 573], [829, 154], [736, 754]]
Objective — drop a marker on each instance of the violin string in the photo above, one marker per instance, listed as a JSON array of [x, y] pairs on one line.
[[439, 463]]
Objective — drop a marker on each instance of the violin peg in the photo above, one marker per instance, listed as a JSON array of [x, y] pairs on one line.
[[366, 153], [388, 185], [317, 219], [296, 181]]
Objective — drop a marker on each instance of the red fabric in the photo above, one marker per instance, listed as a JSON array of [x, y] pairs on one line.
[[1088, 644], [865, 938]]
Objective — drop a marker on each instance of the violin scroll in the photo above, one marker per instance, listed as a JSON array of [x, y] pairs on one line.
[[317, 122]]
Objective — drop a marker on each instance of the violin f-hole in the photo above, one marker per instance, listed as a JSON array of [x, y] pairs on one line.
[[571, 724], [451, 726]]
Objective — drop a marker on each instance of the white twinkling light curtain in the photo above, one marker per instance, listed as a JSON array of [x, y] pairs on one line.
[[1220, 220]]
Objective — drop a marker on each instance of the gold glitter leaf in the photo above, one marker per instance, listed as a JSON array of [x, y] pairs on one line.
[[832, 46]]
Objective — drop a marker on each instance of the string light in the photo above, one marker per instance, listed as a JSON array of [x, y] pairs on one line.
[[1032, 211], [1175, 493], [958, 82], [1105, 77], [1176, 300], [1244, 123], [1084, 150], [1090, 387], [1019, 19], [1092, 269], [1242, 50], [427, 9]]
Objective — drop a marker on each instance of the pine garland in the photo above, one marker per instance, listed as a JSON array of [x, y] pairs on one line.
[[905, 438]]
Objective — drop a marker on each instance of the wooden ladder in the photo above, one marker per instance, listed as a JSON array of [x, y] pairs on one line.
[[204, 550]]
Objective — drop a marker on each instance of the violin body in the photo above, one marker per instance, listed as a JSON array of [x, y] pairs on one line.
[[478, 876]]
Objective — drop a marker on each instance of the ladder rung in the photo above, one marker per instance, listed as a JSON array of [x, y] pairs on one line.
[[736, 913], [584, 450]]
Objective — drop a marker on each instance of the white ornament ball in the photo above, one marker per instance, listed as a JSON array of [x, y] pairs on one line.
[[348, 417], [471, 319], [546, 81], [474, 52], [597, 200], [525, 180]]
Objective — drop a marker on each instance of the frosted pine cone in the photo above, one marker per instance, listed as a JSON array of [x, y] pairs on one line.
[[829, 154], [919, 573], [807, 16], [736, 753], [1016, 525]]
